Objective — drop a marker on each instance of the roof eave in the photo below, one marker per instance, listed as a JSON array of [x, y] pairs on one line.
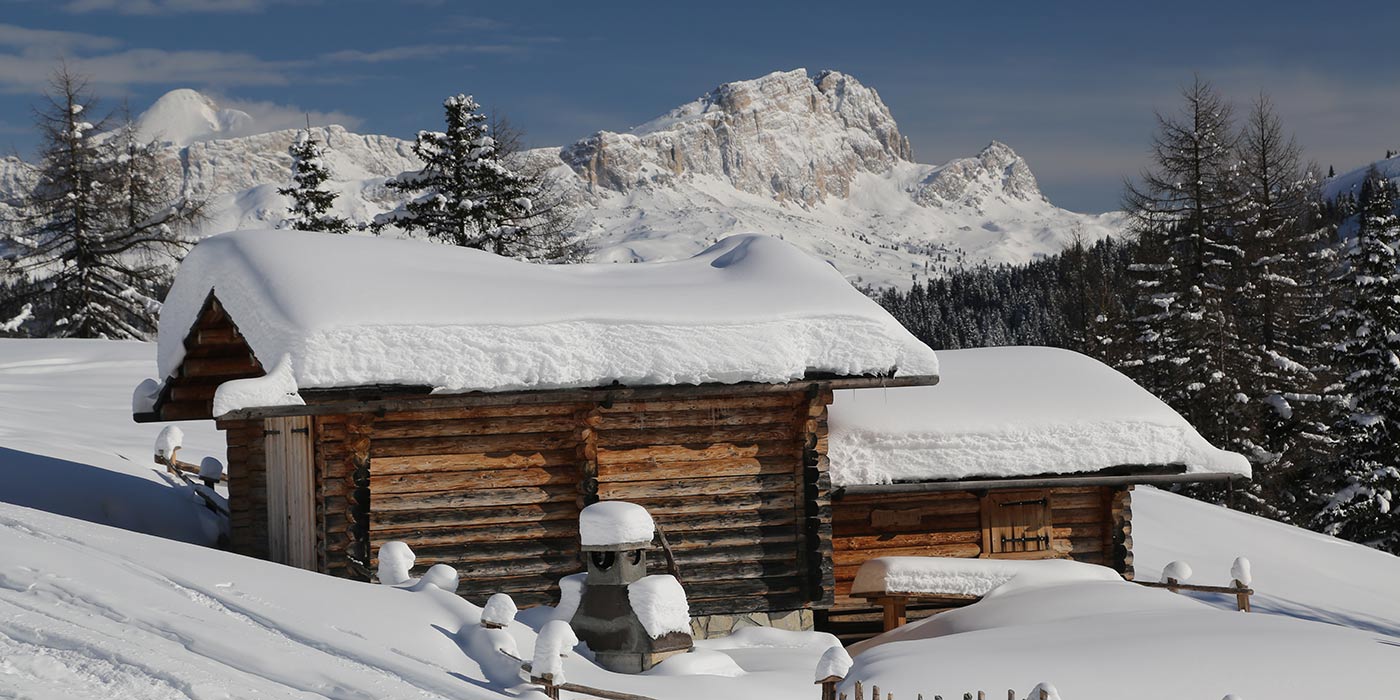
[[1038, 482]]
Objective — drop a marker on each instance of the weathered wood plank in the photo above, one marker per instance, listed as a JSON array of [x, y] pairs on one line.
[[487, 497], [429, 482], [534, 442]]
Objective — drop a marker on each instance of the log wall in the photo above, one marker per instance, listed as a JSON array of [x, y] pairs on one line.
[[1090, 524], [247, 487], [737, 482]]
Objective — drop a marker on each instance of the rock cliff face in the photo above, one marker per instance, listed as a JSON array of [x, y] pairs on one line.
[[786, 135], [815, 159]]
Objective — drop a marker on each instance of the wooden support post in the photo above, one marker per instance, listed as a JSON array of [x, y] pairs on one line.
[[895, 609], [828, 685], [860, 691], [1242, 597], [1172, 585]]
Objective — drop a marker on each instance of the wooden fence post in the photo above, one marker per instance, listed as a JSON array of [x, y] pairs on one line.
[[828, 685], [1242, 598]]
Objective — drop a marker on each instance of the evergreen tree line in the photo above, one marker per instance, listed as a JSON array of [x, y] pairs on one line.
[[1266, 314], [90, 250]]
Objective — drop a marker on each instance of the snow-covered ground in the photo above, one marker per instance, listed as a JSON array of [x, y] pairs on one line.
[[88, 610]]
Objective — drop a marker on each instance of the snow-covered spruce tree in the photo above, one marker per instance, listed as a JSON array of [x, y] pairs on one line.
[[1362, 486], [1187, 203], [467, 194], [1280, 280], [311, 199], [99, 230]]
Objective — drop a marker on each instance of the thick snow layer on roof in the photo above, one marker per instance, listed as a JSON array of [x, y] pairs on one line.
[[354, 310], [1015, 411], [660, 604], [614, 522], [976, 577]]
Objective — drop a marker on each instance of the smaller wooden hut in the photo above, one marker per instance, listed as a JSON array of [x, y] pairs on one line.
[[470, 405], [1018, 453]]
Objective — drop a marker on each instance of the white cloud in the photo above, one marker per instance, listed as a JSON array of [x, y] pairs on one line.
[[29, 71], [163, 7], [270, 116], [49, 40]]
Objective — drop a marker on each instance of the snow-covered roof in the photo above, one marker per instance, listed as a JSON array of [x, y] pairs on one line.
[[1008, 412], [353, 310]]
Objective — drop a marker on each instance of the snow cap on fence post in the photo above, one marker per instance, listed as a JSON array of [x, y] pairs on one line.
[[169, 441], [834, 664], [556, 638], [499, 611], [395, 561], [1240, 571], [1178, 570], [1043, 691], [211, 469], [143, 397]]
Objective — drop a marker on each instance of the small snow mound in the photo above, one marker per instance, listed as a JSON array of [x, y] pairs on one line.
[[211, 468], [1241, 571], [170, 439], [556, 638], [495, 650], [143, 397], [659, 602], [835, 663], [975, 577], [276, 388], [439, 576], [1043, 691], [395, 561], [699, 662], [613, 523], [1179, 570], [499, 611], [570, 593]]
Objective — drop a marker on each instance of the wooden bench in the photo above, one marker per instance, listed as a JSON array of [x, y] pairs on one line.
[[895, 605]]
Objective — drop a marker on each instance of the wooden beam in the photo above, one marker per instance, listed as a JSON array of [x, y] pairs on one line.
[[1032, 483]]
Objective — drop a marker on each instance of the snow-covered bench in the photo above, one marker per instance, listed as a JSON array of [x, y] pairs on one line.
[[893, 582]]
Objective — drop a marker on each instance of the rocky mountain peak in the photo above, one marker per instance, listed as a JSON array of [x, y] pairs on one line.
[[785, 135], [184, 116], [995, 172]]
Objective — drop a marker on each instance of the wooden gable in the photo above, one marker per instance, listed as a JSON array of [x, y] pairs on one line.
[[215, 352]]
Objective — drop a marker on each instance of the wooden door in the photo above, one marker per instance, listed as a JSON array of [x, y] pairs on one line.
[[1016, 525], [291, 508]]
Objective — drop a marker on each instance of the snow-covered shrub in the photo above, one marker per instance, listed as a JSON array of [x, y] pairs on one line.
[[499, 611], [570, 593], [1240, 571], [556, 638], [395, 561], [835, 663], [439, 576], [1179, 570], [211, 468], [169, 441], [660, 604]]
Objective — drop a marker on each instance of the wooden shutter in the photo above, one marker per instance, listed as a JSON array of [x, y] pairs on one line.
[[1016, 525], [291, 508]]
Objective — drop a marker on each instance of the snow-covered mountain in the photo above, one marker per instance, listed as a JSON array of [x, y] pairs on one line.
[[817, 160], [1350, 182]]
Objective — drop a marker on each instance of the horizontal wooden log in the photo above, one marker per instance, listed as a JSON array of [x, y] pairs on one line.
[[956, 550], [629, 490], [530, 443], [665, 506], [470, 480], [486, 497], [220, 366], [478, 412], [712, 417], [730, 520], [754, 466], [703, 452], [907, 540], [399, 521], [769, 400], [738, 435], [474, 461], [504, 425], [933, 523]]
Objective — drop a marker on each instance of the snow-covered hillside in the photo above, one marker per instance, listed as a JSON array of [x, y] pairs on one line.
[[90, 611], [1350, 182], [816, 159]]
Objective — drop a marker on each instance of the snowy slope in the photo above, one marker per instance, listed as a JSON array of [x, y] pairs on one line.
[[91, 611], [816, 159], [1350, 182]]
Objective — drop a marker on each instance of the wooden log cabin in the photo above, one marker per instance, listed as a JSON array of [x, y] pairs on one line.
[[469, 405], [1018, 453]]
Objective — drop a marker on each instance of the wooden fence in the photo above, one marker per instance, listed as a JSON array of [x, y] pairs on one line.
[[1041, 692]]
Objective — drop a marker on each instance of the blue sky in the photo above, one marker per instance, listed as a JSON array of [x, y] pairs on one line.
[[1072, 86]]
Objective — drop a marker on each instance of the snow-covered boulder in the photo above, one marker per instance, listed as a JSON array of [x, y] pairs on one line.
[[607, 523], [395, 563]]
